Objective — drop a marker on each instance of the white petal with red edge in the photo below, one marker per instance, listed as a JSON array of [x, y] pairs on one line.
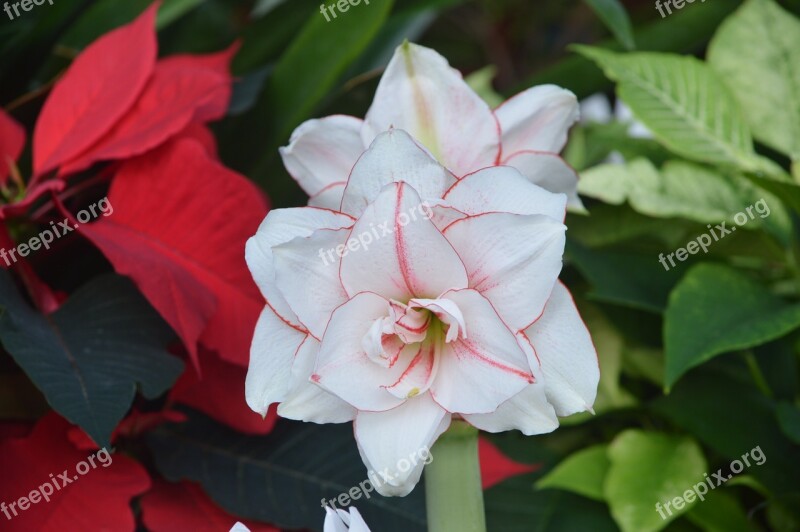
[[528, 412], [393, 157], [282, 225], [397, 442], [504, 189], [422, 94], [537, 119], [550, 172], [271, 357], [513, 260], [307, 274], [479, 373], [421, 361], [407, 257], [568, 357], [329, 197], [323, 151], [305, 400], [343, 368]]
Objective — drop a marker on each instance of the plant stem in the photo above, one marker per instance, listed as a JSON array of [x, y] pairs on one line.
[[453, 493]]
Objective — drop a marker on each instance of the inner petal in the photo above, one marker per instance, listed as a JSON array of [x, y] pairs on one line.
[[418, 376], [447, 312]]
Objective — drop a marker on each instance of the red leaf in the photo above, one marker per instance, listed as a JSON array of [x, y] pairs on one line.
[[179, 228], [219, 393], [12, 140], [201, 134], [97, 90], [215, 106], [184, 506], [96, 500], [496, 467], [182, 89]]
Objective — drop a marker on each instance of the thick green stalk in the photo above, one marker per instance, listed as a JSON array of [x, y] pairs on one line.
[[453, 491]]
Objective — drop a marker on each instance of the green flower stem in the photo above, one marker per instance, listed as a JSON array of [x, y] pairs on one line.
[[453, 493]]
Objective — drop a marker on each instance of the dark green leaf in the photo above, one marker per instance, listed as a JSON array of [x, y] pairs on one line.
[[280, 478], [90, 355], [514, 506], [720, 512], [316, 58], [715, 310], [720, 405], [629, 279], [614, 16], [789, 421]]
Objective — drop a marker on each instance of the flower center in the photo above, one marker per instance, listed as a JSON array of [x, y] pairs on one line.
[[430, 322]]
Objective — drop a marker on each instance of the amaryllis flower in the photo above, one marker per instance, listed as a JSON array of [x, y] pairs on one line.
[[342, 521], [421, 94], [422, 296]]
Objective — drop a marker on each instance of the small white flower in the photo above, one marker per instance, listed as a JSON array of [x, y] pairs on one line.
[[341, 521]]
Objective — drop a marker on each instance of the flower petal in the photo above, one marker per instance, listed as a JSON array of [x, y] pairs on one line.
[[550, 172], [334, 520], [307, 274], [323, 151], [397, 443], [422, 94], [504, 189], [537, 119], [305, 400], [478, 373], [421, 361], [271, 356], [394, 157], [408, 257], [282, 225], [568, 357], [343, 368], [528, 411], [512, 260], [329, 197]]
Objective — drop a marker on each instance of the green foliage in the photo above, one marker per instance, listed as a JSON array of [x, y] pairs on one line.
[[757, 54], [310, 67], [583, 473], [649, 468], [90, 356], [681, 100], [282, 477], [736, 312], [613, 15]]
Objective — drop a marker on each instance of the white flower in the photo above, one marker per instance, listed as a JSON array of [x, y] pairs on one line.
[[341, 521], [453, 308], [421, 94]]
